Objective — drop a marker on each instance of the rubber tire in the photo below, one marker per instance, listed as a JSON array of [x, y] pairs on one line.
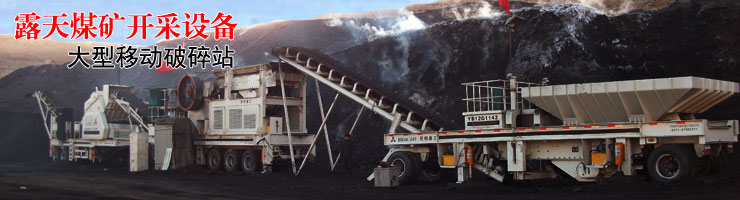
[[430, 171], [430, 177], [687, 162], [234, 157], [250, 158], [214, 161], [410, 163]]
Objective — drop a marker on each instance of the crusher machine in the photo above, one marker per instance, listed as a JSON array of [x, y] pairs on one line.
[[103, 133]]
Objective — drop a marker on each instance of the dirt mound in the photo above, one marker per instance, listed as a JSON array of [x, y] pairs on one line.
[[16, 54], [22, 139]]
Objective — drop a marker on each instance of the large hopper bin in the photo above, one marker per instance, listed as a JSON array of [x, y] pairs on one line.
[[630, 101]]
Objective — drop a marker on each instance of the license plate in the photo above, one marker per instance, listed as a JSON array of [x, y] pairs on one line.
[[483, 118]]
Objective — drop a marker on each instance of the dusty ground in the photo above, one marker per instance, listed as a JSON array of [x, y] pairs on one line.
[[45, 180], [696, 38]]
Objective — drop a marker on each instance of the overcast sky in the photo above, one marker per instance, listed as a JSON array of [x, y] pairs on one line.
[[245, 13]]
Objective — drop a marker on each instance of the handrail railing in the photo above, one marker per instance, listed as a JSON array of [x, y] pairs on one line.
[[492, 95]]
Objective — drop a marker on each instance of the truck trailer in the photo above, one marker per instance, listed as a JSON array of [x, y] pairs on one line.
[[246, 119], [103, 133], [520, 131], [588, 131]]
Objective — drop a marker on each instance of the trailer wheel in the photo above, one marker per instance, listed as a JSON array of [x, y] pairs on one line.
[[407, 163], [250, 162], [671, 163], [214, 159], [430, 176], [231, 160], [430, 172]]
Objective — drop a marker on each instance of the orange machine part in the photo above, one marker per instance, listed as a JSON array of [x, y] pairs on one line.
[[448, 160], [598, 158], [92, 152], [619, 153], [469, 155]]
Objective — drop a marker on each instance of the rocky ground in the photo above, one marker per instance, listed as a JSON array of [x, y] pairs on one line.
[[424, 52], [46, 180]]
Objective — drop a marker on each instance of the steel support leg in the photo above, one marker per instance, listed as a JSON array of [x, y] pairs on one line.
[[323, 123], [287, 120], [326, 133]]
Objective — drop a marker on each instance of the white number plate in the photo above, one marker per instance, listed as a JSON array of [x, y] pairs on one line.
[[483, 118]]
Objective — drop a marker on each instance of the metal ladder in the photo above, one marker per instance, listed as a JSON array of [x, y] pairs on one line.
[[358, 92]]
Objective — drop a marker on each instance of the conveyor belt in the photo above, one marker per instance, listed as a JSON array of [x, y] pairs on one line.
[[48, 111], [131, 113], [353, 84]]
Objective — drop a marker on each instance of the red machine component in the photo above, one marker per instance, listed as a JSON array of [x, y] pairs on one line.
[[190, 92]]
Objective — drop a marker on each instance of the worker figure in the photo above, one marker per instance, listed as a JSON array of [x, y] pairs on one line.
[[347, 154]]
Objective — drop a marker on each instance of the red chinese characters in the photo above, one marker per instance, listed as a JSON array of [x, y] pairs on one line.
[[106, 24], [26, 26], [223, 28], [89, 25], [55, 25], [197, 26], [83, 25], [136, 26], [167, 23]]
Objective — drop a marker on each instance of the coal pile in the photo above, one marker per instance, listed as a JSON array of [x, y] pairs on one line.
[[567, 43], [23, 139], [425, 56]]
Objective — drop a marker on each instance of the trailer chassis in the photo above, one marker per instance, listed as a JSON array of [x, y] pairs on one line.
[[507, 152]]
